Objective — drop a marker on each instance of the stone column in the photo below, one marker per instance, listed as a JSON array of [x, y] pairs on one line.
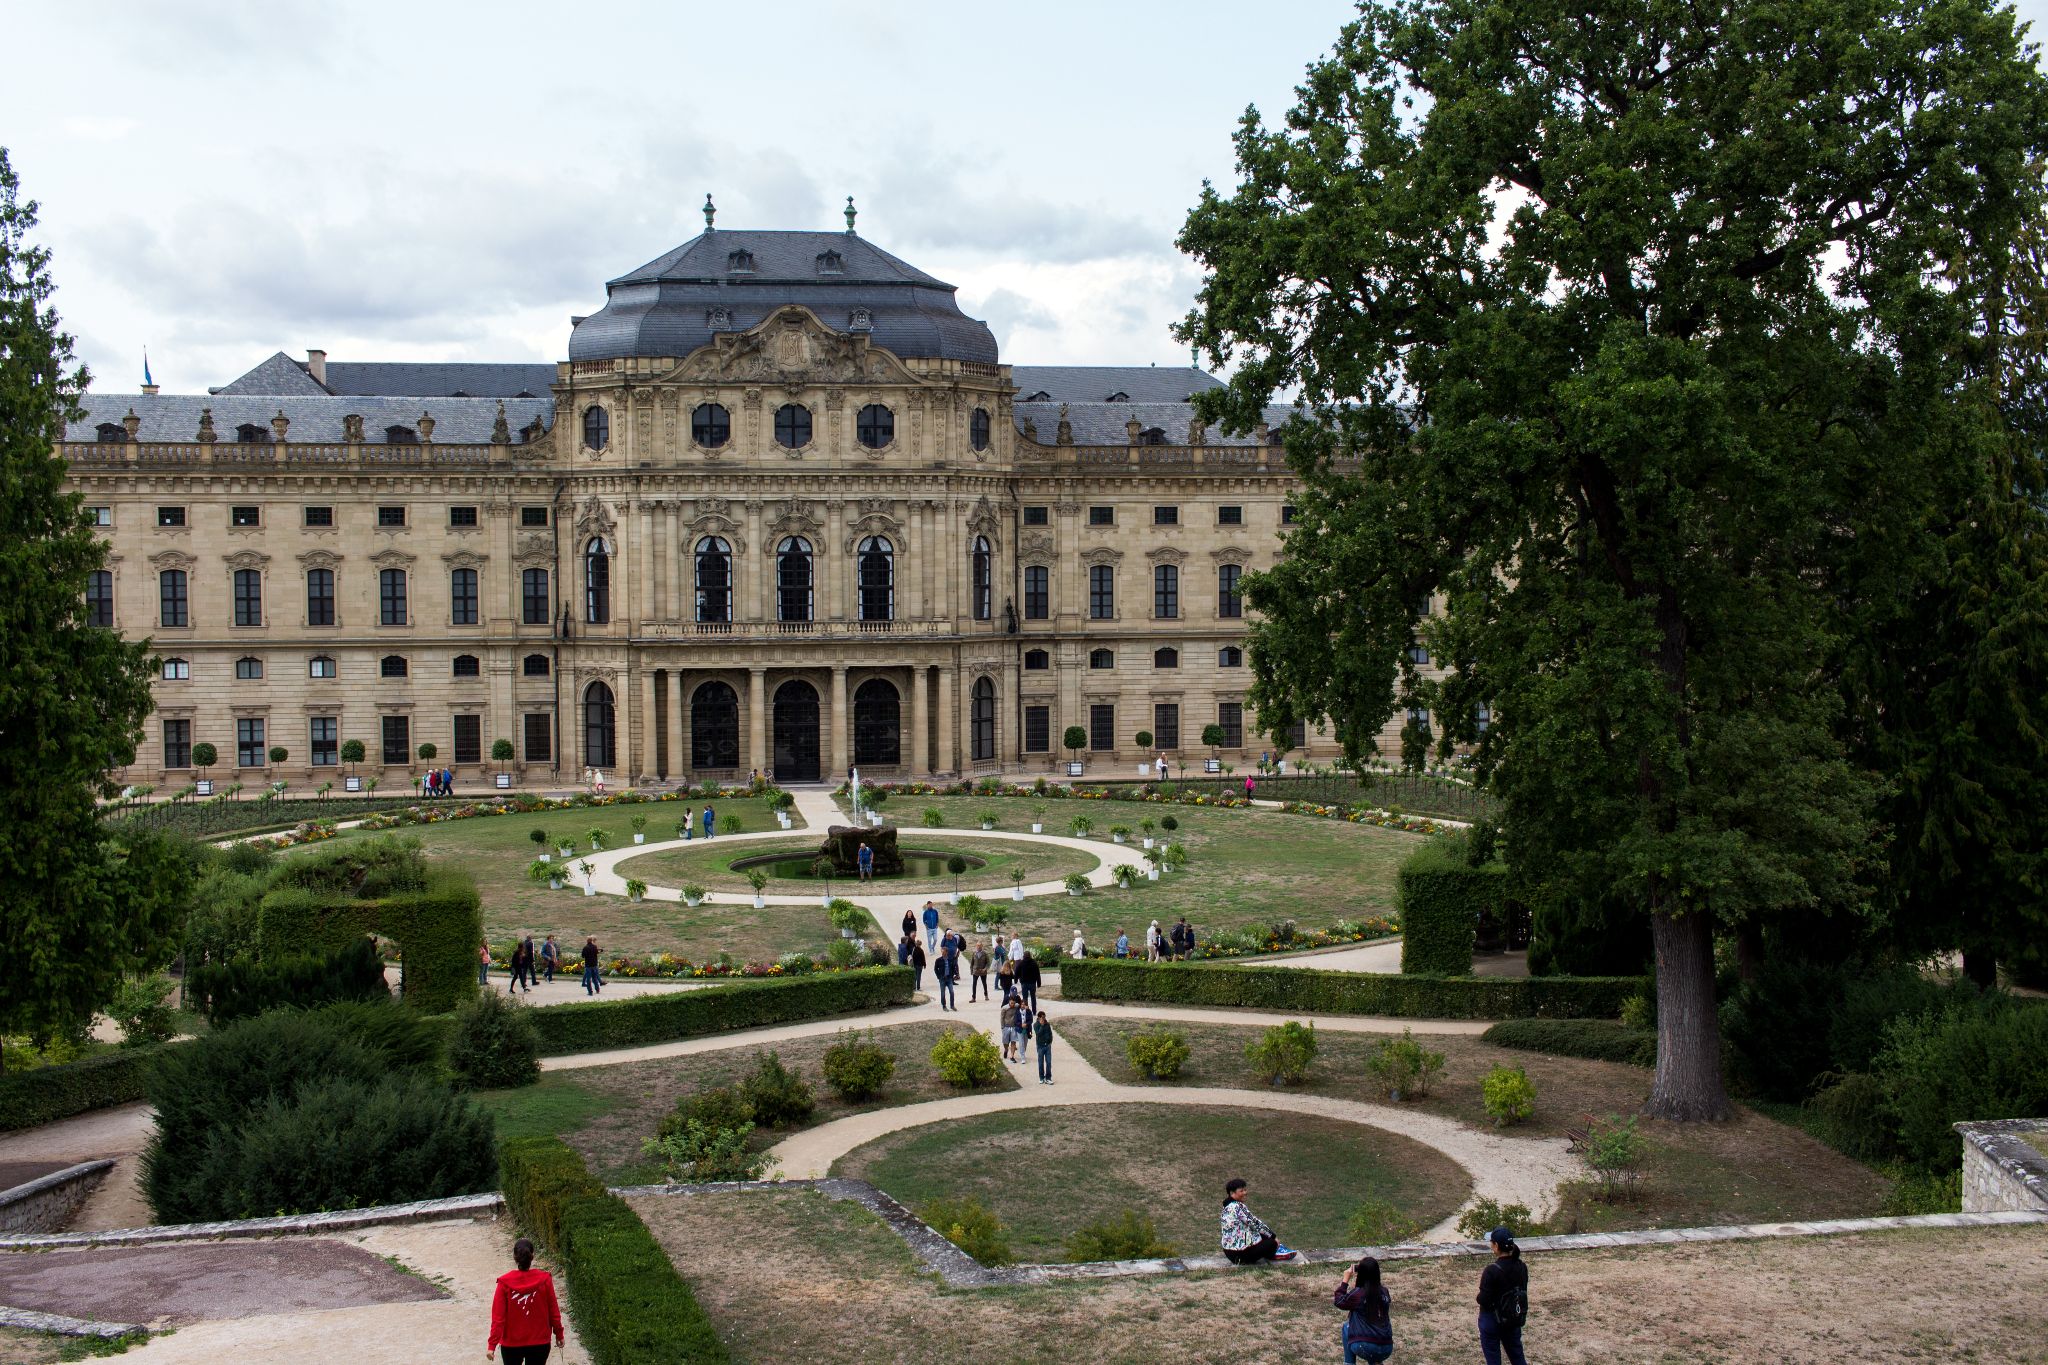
[[840, 749], [658, 723], [643, 605], [917, 752], [947, 719], [747, 569], [757, 720], [643, 728]]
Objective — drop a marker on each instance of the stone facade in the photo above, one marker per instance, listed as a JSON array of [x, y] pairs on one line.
[[641, 570]]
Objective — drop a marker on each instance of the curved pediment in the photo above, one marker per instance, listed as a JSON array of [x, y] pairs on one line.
[[792, 346]]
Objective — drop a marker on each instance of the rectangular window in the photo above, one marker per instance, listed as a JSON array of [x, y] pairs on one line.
[[1229, 601], [325, 734], [391, 596], [249, 744], [1038, 729], [1165, 592], [1418, 654], [1101, 592], [177, 744], [1230, 716], [319, 516], [540, 737], [100, 516], [469, 739], [533, 516], [1287, 515], [1036, 516], [1037, 592], [1102, 516], [99, 598], [397, 741], [175, 670], [245, 516], [246, 669], [170, 516], [462, 516], [533, 597], [248, 597], [1297, 735], [173, 607], [321, 666], [319, 597], [1166, 516], [1230, 516], [462, 597], [1166, 725], [391, 516], [1102, 728]]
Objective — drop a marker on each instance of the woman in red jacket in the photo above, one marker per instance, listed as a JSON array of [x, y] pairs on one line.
[[524, 1311]]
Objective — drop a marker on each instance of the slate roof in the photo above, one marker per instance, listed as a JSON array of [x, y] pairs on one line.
[[317, 419], [1095, 383], [1102, 424], [281, 375]]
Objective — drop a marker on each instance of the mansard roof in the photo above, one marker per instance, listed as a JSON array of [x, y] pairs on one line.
[[282, 376], [314, 419]]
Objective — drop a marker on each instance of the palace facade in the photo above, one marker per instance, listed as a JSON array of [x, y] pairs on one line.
[[783, 507]]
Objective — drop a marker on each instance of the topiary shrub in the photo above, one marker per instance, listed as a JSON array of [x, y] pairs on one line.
[[1508, 1095], [1130, 1236], [858, 1067], [780, 1098], [969, 1226], [494, 1044], [1283, 1053], [1157, 1054], [1441, 899], [967, 1059]]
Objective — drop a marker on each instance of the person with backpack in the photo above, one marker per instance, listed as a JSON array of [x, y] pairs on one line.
[[1503, 1300], [1369, 1326], [524, 1311], [1246, 1238]]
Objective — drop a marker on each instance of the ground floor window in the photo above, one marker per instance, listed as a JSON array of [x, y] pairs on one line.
[[177, 744], [469, 739], [1102, 728], [397, 741], [1230, 716], [539, 733], [1038, 729], [325, 734], [249, 744], [1166, 725]]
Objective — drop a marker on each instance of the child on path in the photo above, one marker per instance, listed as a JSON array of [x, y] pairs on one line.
[[524, 1311], [483, 965]]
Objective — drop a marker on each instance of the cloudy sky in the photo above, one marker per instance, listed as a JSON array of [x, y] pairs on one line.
[[220, 180]]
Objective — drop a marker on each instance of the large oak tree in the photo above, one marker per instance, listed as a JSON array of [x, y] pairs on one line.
[[1633, 332]]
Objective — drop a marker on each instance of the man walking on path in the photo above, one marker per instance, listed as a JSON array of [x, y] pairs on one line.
[[946, 971], [710, 822], [550, 958], [592, 983], [917, 963], [1042, 1031], [865, 860], [1027, 979], [931, 925], [980, 981]]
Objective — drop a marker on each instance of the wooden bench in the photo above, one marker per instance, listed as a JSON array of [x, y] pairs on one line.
[[1580, 1133]]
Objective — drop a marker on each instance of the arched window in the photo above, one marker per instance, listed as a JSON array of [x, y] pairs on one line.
[[983, 579], [714, 727], [1166, 592], [877, 723], [982, 720], [401, 436], [534, 666], [1036, 661], [793, 579], [1230, 656], [251, 434], [597, 583], [877, 581], [1101, 658], [468, 666], [1229, 599], [248, 666], [1166, 657], [597, 427], [111, 433], [462, 597], [793, 426], [714, 579], [710, 425], [600, 733], [875, 425], [391, 666], [977, 429]]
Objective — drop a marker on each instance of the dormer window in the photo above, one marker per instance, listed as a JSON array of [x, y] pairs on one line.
[[860, 320], [250, 434], [739, 262], [1040, 397], [401, 436], [831, 263], [111, 433], [522, 394], [719, 319], [1118, 397], [1152, 436]]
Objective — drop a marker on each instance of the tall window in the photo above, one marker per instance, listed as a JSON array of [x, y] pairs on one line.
[[177, 744], [1230, 716], [1102, 727], [714, 727], [1165, 592], [99, 598], [173, 605], [538, 730], [877, 583], [325, 734], [1101, 592], [469, 738], [597, 583], [1038, 729], [249, 743], [977, 429], [877, 723], [391, 597], [1166, 725], [600, 732], [533, 597], [983, 579], [462, 597], [714, 579], [319, 597], [982, 719], [248, 597], [1037, 592], [1229, 602], [397, 741], [793, 579]]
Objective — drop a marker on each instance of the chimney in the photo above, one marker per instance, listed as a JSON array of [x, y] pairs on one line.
[[151, 389], [316, 362]]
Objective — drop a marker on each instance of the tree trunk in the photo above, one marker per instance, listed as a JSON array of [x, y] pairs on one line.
[[1980, 965], [1688, 1084]]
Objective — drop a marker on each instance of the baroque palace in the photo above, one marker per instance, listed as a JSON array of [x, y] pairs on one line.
[[782, 508]]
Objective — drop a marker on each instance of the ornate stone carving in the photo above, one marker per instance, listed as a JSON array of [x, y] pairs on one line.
[[393, 558], [534, 550], [464, 559], [426, 427], [171, 559], [873, 523], [1167, 554], [501, 430], [280, 424], [1231, 554], [1102, 554], [594, 518], [246, 559], [207, 435], [982, 520], [1198, 432], [320, 559], [792, 517], [1035, 547], [352, 428], [791, 346], [712, 521], [1066, 429]]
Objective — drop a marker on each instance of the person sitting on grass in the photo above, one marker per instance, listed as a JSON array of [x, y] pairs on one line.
[[1369, 1328], [1246, 1239]]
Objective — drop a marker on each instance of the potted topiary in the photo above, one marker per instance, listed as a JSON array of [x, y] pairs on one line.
[[956, 864], [693, 894], [1145, 828], [589, 878], [204, 756], [541, 870], [502, 753], [758, 879], [278, 754], [428, 753], [1169, 823], [1175, 857], [1038, 818], [635, 889], [639, 823], [987, 818], [1152, 857], [1212, 735], [822, 869], [540, 841], [352, 753], [565, 849], [1144, 739], [1016, 883], [1119, 833], [1075, 739], [1076, 883], [782, 804]]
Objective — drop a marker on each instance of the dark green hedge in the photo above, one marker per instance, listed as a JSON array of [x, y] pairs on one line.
[[629, 1305], [49, 1093], [1299, 989], [437, 927], [1442, 898], [1600, 1040], [241, 988], [661, 1017]]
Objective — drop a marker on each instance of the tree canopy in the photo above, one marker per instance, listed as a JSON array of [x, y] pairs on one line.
[[1646, 340]]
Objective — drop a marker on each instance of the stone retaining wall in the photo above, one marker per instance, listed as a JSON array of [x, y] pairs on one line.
[[2002, 1170], [46, 1204]]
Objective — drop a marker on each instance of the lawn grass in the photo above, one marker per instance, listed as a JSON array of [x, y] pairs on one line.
[[708, 865], [605, 1112], [21, 1347], [1046, 1172], [1751, 1169]]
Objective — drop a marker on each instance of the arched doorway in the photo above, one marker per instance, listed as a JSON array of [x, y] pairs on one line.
[[982, 721], [600, 733], [877, 723], [796, 732], [714, 727]]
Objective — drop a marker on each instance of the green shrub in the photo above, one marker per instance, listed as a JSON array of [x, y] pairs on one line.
[[1615, 1149], [1639, 1012], [1939, 1070], [1487, 1214], [1283, 1053], [1853, 1115], [1316, 992], [31, 1098], [1441, 899], [1130, 1236], [1403, 1067], [243, 988], [858, 1067], [933, 818], [494, 1044], [718, 1106], [969, 1226], [1158, 1054], [1600, 1040], [140, 1009], [400, 1039], [780, 1097], [1508, 1094], [662, 1017], [844, 953], [698, 1152], [1377, 1223], [1916, 1193], [434, 915], [967, 1059]]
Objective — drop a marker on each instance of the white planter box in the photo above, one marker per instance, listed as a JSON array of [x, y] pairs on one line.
[[1118, 838], [1016, 893], [693, 901], [641, 839], [1144, 770], [760, 904], [849, 933], [953, 898], [988, 824], [547, 858], [1037, 827], [351, 784], [566, 850], [504, 781], [1212, 765], [1072, 892], [1148, 842], [554, 883], [589, 890], [1152, 874], [1073, 770], [635, 898]]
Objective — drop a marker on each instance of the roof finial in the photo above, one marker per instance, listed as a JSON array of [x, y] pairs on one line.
[[850, 211], [710, 212]]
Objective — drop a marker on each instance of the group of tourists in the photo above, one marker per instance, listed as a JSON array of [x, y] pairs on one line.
[[530, 965], [1161, 945], [687, 826], [438, 782]]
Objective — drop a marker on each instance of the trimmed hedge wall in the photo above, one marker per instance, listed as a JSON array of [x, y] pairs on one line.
[[629, 1305], [49, 1093], [1442, 898], [667, 1015], [1307, 991], [437, 928], [1600, 1040]]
